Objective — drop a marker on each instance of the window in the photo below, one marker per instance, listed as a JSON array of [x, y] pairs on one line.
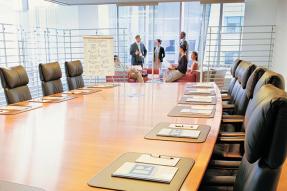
[[233, 23], [229, 57]]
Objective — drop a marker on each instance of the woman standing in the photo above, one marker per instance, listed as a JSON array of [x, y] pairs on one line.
[[159, 54], [176, 72]]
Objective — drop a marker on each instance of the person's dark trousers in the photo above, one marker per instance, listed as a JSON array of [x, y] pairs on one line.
[[138, 64]]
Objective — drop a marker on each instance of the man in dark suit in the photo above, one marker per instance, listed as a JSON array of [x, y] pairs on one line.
[[138, 52], [183, 41]]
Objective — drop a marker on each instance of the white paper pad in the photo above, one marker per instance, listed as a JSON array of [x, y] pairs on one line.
[[14, 107], [157, 160], [207, 107], [200, 91], [179, 133], [196, 111], [147, 172], [205, 99], [206, 85], [183, 126]]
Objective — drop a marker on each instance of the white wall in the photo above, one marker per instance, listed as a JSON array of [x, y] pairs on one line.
[[260, 15], [88, 16], [267, 12], [260, 12], [280, 50]]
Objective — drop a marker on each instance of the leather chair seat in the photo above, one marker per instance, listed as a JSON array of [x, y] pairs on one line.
[[74, 71], [14, 81], [50, 75]]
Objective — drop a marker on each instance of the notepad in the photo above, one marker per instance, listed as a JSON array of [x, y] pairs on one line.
[[158, 160], [183, 126], [146, 172], [179, 133], [200, 91], [205, 85], [14, 108], [205, 99], [196, 111], [207, 107]]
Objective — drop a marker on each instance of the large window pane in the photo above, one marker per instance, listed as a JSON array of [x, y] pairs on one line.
[[167, 29], [192, 23]]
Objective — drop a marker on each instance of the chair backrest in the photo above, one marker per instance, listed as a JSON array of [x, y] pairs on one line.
[[233, 79], [14, 81], [270, 77], [74, 71], [265, 140], [238, 94], [50, 75]]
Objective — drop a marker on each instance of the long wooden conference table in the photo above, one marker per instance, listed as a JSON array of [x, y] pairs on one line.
[[61, 146]]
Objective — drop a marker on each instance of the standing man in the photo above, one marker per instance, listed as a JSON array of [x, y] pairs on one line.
[[138, 52], [183, 41]]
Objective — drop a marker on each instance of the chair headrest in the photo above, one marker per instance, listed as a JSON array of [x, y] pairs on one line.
[[73, 68], [243, 71], [234, 67], [49, 72], [265, 126], [252, 81], [270, 77], [14, 77]]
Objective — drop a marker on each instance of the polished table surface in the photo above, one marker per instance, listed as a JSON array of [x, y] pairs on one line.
[[63, 145]]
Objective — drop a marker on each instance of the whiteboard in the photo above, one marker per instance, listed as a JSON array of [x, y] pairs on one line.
[[98, 56]]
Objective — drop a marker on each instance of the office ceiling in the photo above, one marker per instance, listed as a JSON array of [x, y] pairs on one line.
[[131, 2]]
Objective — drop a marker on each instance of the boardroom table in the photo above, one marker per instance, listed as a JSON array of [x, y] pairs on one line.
[[61, 146]]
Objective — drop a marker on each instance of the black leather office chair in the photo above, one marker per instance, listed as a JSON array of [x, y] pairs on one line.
[[50, 75], [238, 94], [14, 81], [265, 146], [74, 71], [232, 81], [232, 130], [243, 96], [258, 78]]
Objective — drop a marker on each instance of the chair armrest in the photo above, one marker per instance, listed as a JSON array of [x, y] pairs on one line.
[[218, 181], [225, 97], [232, 120], [232, 134], [228, 106], [224, 164], [231, 140], [233, 117]]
